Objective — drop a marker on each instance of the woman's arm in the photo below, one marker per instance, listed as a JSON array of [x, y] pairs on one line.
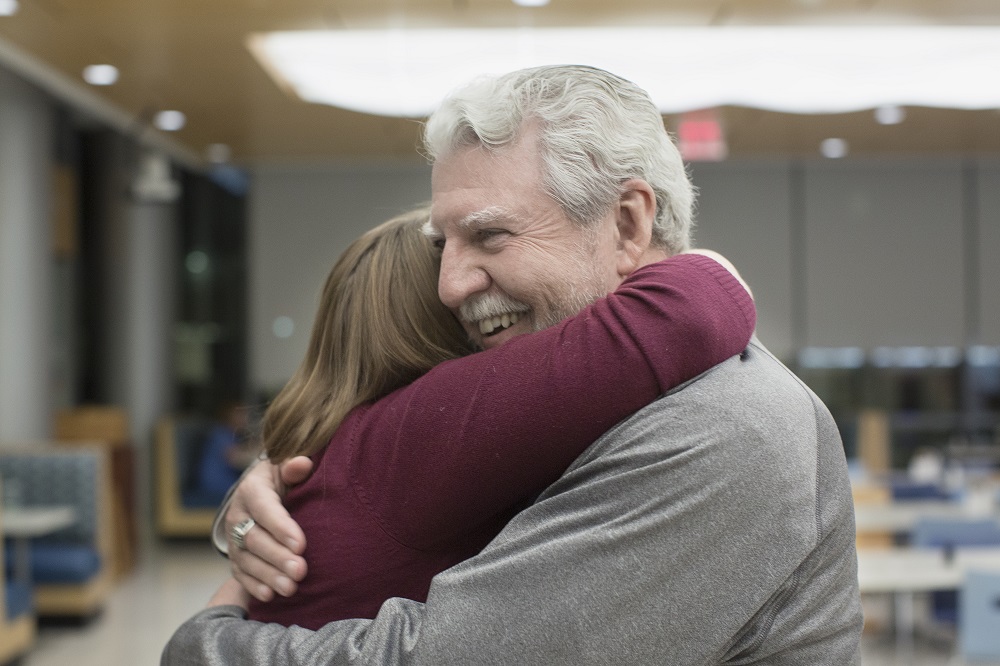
[[477, 436]]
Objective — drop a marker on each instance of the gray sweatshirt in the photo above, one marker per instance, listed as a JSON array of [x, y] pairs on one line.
[[715, 526]]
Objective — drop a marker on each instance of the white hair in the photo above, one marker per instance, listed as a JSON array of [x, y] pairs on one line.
[[595, 131]]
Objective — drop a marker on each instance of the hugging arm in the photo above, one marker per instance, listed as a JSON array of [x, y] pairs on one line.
[[477, 437], [508, 421]]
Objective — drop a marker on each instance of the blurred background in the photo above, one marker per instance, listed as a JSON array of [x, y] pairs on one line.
[[177, 178]]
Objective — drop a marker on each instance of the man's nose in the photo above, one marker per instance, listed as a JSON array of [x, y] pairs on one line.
[[460, 277]]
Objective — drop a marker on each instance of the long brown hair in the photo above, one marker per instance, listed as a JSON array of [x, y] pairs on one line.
[[379, 326]]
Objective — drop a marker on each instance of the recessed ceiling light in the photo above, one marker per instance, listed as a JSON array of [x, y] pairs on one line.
[[100, 75], [8, 7], [170, 121], [833, 148], [531, 3], [890, 114]]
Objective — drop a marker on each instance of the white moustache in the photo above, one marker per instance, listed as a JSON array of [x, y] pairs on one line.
[[492, 311]]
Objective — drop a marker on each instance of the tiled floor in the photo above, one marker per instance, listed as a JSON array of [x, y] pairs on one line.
[[174, 580]]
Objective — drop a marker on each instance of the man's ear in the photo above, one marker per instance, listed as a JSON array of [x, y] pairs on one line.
[[635, 215]]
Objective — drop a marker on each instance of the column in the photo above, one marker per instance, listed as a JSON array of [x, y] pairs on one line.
[[26, 152]]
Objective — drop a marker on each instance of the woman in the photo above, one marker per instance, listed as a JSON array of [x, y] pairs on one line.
[[416, 472]]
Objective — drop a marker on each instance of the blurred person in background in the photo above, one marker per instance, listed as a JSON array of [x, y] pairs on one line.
[[226, 452]]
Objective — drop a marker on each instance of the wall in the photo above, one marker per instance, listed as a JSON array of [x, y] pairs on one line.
[[839, 253], [985, 241], [745, 212], [301, 219], [861, 253]]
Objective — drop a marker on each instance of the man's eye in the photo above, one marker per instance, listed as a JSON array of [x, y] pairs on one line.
[[487, 235], [438, 243]]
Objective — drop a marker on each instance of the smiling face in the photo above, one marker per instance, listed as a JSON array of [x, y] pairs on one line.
[[512, 261]]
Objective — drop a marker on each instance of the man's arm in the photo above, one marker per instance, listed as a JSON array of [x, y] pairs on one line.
[[219, 635]]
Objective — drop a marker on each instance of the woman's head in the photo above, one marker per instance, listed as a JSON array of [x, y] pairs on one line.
[[379, 326]]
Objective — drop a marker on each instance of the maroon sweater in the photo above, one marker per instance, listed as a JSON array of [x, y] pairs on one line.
[[425, 477]]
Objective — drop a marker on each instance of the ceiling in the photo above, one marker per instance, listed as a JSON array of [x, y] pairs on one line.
[[190, 55]]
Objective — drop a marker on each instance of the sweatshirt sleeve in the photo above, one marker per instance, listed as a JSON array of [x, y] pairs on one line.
[[477, 437]]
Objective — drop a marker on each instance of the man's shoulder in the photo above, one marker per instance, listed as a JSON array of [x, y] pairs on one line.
[[755, 375], [751, 389], [749, 407]]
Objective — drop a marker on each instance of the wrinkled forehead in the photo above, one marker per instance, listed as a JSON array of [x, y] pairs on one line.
[[474, 220], [474, 187]]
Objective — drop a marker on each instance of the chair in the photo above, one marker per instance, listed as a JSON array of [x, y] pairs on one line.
[[72, 569], [905, 489], [17, 618], [180, 511], [949, 534], [979, 616], [107, 425]]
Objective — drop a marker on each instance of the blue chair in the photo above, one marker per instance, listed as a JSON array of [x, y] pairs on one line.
[[949, 534], [905, 489], [979, 625], [945, 532]]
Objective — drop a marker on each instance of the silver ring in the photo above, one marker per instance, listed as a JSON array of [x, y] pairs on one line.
[[239, 532]]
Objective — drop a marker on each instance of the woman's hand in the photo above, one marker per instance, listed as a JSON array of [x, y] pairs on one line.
[[271, 560]]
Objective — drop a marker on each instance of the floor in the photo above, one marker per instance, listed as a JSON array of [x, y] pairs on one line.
[[171, 583], [174, 580]]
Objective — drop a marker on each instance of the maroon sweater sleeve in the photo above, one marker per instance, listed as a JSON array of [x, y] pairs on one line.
[[476, 437]]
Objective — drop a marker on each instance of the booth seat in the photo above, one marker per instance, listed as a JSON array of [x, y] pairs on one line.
[[59, 563], [181, 509], [108, 426], [72, 569], [17, 617], [17, 599]]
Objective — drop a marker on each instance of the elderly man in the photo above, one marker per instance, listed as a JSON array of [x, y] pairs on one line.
[[714, 526]]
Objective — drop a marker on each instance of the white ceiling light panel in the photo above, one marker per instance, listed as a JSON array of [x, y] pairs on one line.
[[401, 72]]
